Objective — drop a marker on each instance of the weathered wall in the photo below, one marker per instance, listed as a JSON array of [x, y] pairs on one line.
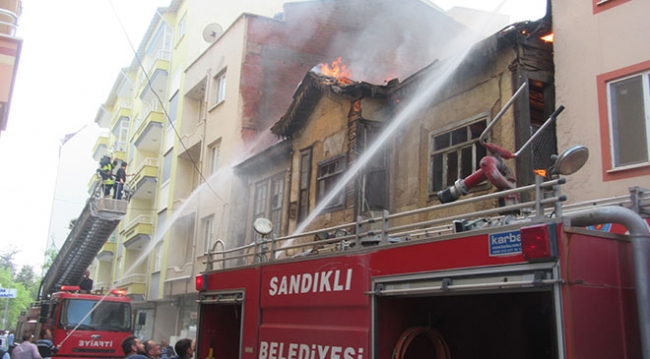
[[481, 85]]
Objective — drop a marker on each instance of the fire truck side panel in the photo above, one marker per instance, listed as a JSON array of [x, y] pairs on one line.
[[600, 316], [316, 308], [471, 251], [230, 329], [359, 305]]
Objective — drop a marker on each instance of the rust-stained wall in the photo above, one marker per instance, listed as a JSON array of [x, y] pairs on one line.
[[483, 84], [325, 133]]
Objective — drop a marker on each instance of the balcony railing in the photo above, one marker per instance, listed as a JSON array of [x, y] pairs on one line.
[[153, 118], [138, 232], [122, 111], [141, 219], [8, 22], [133, 283]]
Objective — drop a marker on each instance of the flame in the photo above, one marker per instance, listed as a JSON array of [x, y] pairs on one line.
[[540, 172], [338, 71], [548, 38]]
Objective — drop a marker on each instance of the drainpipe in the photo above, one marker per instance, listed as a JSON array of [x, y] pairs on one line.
[[640, 239]]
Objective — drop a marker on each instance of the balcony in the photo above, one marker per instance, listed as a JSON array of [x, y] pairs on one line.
[[158, 71], [100, 148], [138, 232], [145, 180], [122, 113], [133, 284], [149, 131], [107, 252], [11, 47]]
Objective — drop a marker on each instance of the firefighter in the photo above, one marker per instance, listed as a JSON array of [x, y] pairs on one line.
[[106, 173]]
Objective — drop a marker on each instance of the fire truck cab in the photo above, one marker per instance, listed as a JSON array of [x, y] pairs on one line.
[[84, 325], [542, 285]]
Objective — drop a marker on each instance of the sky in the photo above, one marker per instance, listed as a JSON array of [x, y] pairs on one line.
[[72, 53]]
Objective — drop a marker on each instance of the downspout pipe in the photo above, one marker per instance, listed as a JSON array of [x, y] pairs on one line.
[[640, 239]]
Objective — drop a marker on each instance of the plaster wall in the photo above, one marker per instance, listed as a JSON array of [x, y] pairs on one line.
[[588, 45]]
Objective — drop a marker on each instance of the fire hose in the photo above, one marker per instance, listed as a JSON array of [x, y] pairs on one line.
[[409, 335]]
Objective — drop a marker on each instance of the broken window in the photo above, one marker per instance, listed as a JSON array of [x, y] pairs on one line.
[[455, 154], [329, 173], [268, 202], [305, 177], [629, 117], [374, 186]]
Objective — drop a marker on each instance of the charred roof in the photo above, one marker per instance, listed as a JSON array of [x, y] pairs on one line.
[[309, 92]]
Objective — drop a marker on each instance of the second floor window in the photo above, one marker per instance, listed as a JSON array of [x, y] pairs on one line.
[[173, 109], [268, 201], [157, 259], [455, 154], [208, 228], [303, 185], [329, 173], [215, 155], [220, 88], [629, 119], [167, 166]]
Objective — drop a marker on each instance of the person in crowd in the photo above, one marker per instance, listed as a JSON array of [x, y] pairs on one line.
[[166, 350], [120, 180], [26, 349], [184, 348], [86, 284], [10, 339], [45, 345], [152, 349], [133, 348]]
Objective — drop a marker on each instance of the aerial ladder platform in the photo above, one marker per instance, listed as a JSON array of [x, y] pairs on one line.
[[95, 224]]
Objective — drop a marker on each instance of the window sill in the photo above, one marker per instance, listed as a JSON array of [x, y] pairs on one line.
[[629, 167], [216, 105]]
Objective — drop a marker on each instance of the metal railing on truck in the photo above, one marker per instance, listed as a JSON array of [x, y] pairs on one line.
[[546, 201]]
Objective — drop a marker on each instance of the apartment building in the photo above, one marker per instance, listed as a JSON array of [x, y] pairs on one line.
[[10, 48], [602, 76], [197, 101]]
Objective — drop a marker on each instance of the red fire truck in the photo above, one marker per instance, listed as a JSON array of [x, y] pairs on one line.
[[488, 284], [84, 325]]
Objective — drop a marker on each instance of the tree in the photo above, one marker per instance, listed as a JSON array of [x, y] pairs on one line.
[[7, 259], [16, 305], [26, 283], [27, 278], [50, 255]]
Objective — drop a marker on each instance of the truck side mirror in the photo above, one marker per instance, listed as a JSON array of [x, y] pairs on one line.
[[45, 310]]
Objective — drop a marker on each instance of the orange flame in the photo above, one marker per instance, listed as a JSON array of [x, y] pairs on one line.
[[338, 71], [548, 38], [540, 172]]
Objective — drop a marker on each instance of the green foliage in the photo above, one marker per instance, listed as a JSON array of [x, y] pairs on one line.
[[50, 255], [26, 283]]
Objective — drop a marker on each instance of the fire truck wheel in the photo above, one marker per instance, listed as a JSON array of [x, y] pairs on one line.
[[407, 337]]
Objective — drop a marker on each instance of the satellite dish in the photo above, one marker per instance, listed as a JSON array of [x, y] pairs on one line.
[[212, 32], [263, 226], [571, 160]]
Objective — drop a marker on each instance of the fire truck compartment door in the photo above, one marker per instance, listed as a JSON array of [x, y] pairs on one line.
[[469, 280], [222, 298]]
